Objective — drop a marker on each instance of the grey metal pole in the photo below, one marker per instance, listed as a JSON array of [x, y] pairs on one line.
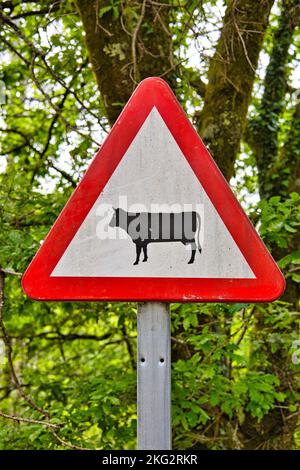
[[154, 376]]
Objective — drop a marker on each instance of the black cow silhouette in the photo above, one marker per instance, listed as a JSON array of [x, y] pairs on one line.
[[150, 227]]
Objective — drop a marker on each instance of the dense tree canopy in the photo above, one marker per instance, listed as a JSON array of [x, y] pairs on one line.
[[67, 370]]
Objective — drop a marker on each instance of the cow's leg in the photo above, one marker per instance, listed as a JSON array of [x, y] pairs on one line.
[[138, 248], [145, 245], [193, 247]]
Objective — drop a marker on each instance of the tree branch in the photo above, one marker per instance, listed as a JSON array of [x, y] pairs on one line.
[[52, 7], [31, 421], [64, 174], [133, 42], [129, 347]]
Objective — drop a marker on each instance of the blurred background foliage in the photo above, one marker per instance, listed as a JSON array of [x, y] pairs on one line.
[[67, 370]]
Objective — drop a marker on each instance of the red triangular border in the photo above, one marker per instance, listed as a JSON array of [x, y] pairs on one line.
[[37, 283]]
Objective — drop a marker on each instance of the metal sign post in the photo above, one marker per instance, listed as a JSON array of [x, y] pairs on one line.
[[154, 376]]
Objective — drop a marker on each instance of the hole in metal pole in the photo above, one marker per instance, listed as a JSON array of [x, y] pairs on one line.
[[161, 360], [143, 359]]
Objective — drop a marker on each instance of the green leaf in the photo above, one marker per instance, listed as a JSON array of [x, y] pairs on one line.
[[292, 258], [104, 10], [296, 277]]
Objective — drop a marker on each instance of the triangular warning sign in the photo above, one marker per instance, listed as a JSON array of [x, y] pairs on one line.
[[153, 219]]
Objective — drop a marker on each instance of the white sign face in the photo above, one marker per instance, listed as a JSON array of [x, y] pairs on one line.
[[153, 219]]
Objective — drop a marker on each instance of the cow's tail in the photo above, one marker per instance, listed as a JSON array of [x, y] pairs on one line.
[[198, 230]]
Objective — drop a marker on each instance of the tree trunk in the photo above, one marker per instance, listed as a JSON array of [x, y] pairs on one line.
[[278, 174], [290, 174], [278, 170], [263, 130], [231, 76], [126, 45]]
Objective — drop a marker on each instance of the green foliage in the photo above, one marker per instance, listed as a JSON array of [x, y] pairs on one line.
[[233, 371], [225, 378], [113, 7], [279, 219]]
